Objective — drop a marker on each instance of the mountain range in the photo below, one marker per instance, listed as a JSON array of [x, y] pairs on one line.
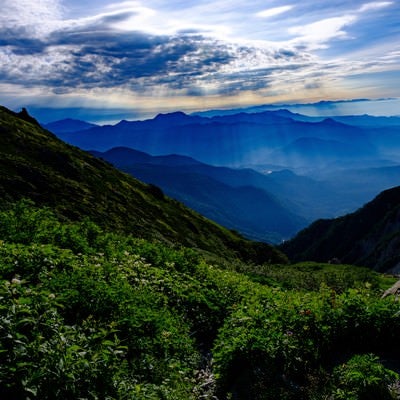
[[240, 199], [35, 164], [303, 168], [277, 138]]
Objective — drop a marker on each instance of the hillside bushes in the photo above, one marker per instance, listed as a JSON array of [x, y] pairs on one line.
[[91, 314]]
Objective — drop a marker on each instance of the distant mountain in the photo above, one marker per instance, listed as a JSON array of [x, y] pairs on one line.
[[303, 196], [368, 120], [68, 125], [363, 183], [370, 236], [363, 121], [297, 117], [225, 140], [35, 164], [290, 200], [318, 108], [225, 195], [124, 156], [386, 140]]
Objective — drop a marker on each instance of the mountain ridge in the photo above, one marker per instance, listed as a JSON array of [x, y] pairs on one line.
[[220, 140], [368, 237], [251, 210], [35, 164], [68, 125]]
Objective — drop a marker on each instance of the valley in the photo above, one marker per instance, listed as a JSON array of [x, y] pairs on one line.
[[265, 174]]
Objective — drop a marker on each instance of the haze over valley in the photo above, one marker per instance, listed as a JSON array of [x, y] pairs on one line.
[[266, 174]]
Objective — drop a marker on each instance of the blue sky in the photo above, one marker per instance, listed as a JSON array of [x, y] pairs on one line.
[[155, 56]]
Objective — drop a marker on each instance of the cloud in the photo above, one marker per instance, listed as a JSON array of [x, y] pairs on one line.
[[374, 6], [317, 34], [212, 49], [91, 53], [272, 12], [33, 18]]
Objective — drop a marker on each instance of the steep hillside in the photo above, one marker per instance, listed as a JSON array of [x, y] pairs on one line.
[[369, 236], [37, 165]]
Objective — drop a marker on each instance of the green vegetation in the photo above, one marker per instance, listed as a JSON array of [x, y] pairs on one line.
[[310, 276], [86, 313], [364, 377]]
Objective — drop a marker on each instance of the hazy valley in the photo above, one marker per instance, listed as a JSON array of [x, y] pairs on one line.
[[265, 174]]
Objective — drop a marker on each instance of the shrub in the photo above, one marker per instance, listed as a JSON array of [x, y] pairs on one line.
[[281, 339], [363, 377]]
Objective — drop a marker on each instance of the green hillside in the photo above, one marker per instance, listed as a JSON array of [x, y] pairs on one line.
[[35, 164], [369, 236]]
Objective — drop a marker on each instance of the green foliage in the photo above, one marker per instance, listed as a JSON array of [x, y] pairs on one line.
[[280, 339], [75, 284], [311, 276], [86, 313], [363, 377], [42, 357]]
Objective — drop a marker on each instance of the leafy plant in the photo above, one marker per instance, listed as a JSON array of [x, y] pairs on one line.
[[363, 377]]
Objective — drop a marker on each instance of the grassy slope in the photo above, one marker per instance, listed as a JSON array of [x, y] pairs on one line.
[[37, 165]]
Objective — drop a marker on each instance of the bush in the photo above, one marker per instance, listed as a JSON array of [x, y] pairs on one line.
[[89, 314], [282, 339], [363, 377]]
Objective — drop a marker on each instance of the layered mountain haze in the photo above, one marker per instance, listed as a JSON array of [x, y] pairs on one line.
[[304, 167], [237, 199], [37, 165], [270, 137]]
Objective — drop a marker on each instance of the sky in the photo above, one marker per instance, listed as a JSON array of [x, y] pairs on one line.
[[102, 60]]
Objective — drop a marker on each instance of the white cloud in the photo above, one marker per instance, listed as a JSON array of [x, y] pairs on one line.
[[220, 49], [122, 4], [317, 34], [271, 12], [374, 6], [39, 17]]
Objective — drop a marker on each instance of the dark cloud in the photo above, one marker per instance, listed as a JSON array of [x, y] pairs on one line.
[[18, 39], [253, 80], [285, 54], [313, 85], [96, 56]]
